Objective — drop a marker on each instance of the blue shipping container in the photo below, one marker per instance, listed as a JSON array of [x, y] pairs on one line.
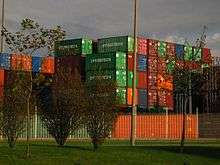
[[142, 98], [36, 64], [142, 63], [5, 61], [180, 52]]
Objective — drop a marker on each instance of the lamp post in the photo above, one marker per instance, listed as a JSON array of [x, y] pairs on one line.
[[2, 25], [134, 106]]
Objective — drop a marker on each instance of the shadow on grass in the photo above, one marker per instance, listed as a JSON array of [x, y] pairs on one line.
[[82, 148], [204, 151]]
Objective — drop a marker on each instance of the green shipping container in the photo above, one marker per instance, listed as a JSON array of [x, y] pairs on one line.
[[171, 66], [105, 61], [116, 44], [197, 54], [188, 55], [130, 79], [73, 47], [118, 75], [121, 95], [162, 49]]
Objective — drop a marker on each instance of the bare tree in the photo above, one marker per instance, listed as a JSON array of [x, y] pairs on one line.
[[101, 112], [30, 38], [13, 106], [62, 104]]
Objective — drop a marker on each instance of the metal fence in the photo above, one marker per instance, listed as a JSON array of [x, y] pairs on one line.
[[149, 126]]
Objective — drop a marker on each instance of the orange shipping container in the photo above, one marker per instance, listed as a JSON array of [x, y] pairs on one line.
[[47, 65], [129, 96], [2, 77], [158, 126], [21, 62]]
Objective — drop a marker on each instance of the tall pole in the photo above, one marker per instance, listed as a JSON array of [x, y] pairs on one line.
[[2, 25], [134, 107]]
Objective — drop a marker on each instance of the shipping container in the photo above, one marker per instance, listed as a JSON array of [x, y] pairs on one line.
[[152, 80], [116, 44], [104, 61], [206, 55], [82, 46], [152, 97], [162, 94], [130, 96], [72, 63], [142, 98], [156, 126], [162, 49], [5, 61], [121, 95], [142, 46], [180, 64], [152, 64], [170, 50], [179, 52], [142, 81], [21, 62], [36, 64], [152, 48], [197, 54], [48, 64], [169, 101], [193, 65], [188, 53], [118, 75], [142, 63], [162, 66], [171, 66], [2, 77]]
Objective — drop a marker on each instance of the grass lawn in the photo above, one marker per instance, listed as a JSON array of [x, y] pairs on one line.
[[113, 152]]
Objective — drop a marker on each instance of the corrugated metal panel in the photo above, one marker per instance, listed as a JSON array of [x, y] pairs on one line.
[[142, 46], [115, 44], [106, 61], [142, 63], [5, 61], [152, 48], [48, 64], [180, 52], [142, 98], [36, 64], [21, 62]]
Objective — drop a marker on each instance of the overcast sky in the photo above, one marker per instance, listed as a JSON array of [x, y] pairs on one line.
[[170, 20]]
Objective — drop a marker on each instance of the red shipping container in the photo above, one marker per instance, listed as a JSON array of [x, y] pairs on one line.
[[129, 96], [170, 50], [169, 101], [21, 62], [162, 66], [142, 46], [47, 65], [152, 48], [152, 64], [162, 98], [2, 80], [192, 65], [2, 77], [152, 80], [180, 64], [152, 97], [206, 55], [142, 80]]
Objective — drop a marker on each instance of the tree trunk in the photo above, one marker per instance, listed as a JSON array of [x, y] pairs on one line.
[[184, 127], [28, 129]]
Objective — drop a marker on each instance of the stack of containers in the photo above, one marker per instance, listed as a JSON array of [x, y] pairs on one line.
[[179, 56], [161, 72], [152, 73], [142, 76], [108, 66], [123, 46], [71, 53]]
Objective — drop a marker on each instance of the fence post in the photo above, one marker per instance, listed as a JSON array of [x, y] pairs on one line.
[[35, 122], [167, 123], [197, 122]]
